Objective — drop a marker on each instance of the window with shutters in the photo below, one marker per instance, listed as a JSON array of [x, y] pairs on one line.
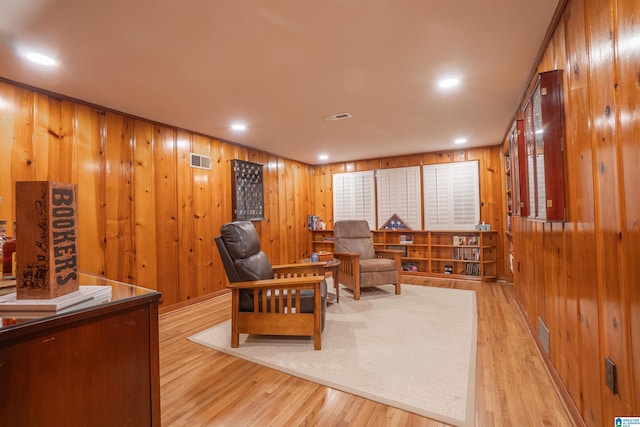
[[354, 197], [399, 193], [451, 196]]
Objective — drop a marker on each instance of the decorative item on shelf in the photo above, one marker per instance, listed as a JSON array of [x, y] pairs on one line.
[[47, 224], [316, 223], [406, 239], [395, 223], [325, 256], [247, 192], [448, 269], [409, 266], [483, 227]]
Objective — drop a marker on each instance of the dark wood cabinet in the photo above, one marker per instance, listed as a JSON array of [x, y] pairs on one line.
[[94, 366], [543, 138]]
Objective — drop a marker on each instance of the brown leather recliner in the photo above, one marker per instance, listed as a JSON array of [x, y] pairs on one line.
[[361, 264], [270, 300]]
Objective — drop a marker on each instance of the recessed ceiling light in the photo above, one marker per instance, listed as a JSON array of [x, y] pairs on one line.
[[39, 58], [239, 127], [323, 157], [451, 82], [460, 140]]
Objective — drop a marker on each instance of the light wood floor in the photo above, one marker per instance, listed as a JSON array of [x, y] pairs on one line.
[[203, 387]]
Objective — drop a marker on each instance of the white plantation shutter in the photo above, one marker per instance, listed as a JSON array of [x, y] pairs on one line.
[[399, 193], [451, 196], [354, 197]]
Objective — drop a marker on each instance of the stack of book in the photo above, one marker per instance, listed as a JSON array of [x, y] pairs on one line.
[[85, 296]]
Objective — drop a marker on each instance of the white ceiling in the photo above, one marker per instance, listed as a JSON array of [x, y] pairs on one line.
[[282, 66]]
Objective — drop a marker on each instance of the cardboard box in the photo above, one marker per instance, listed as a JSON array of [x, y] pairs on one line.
[[46, 239]]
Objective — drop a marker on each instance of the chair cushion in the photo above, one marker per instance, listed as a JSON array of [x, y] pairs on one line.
[[241, 239], [243, 243], [354, 236], [254, 267], [377, 264]]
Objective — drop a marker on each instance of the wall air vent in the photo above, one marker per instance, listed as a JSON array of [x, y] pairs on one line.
[[340, 116], [544, 336], [199, 161]]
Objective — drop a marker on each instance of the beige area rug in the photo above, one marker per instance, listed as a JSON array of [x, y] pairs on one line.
[[415, 351]]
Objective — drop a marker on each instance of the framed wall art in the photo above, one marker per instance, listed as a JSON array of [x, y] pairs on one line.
[[247, 191]]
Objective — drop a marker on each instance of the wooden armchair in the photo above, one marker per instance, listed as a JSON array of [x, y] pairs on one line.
[[270, 300], [361, 265]]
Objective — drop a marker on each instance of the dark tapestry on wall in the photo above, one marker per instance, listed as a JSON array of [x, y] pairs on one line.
[[248, 191]]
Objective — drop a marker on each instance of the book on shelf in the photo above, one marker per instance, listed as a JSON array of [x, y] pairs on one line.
[[465, 240], [406, 239], [466, 254], [459, 240], [473, 269], [10, 303]]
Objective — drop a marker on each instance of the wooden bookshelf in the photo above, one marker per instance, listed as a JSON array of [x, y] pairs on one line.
[[469, 255]]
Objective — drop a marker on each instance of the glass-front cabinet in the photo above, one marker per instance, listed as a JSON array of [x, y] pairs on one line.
[[544, 147]]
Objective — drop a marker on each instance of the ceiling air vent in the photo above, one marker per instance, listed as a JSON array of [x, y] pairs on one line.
[[340, 116], [199, 161]]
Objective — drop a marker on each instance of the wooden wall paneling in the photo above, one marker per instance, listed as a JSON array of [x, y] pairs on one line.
[[220, 185], [184, 190], [608, 204], [203, 226], [300, 205], [63, 164], [582, 285], [271, 222], [120, 256], [91, 176], [390, 162], [628, 34], [555, 288], [288, 250], [278, 257], [363, 165], [44, 114], [414, 160], [144, 205], [429, 158], [166, 208], [9, 121], [22, 158], [555, 252], [444, 157], [321, 185]]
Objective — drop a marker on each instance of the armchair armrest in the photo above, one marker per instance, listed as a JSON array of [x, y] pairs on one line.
[[299, 270], [307, 282], [389, 253]]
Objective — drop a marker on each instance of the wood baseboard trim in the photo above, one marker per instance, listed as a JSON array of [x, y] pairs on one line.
[[187, 303]]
